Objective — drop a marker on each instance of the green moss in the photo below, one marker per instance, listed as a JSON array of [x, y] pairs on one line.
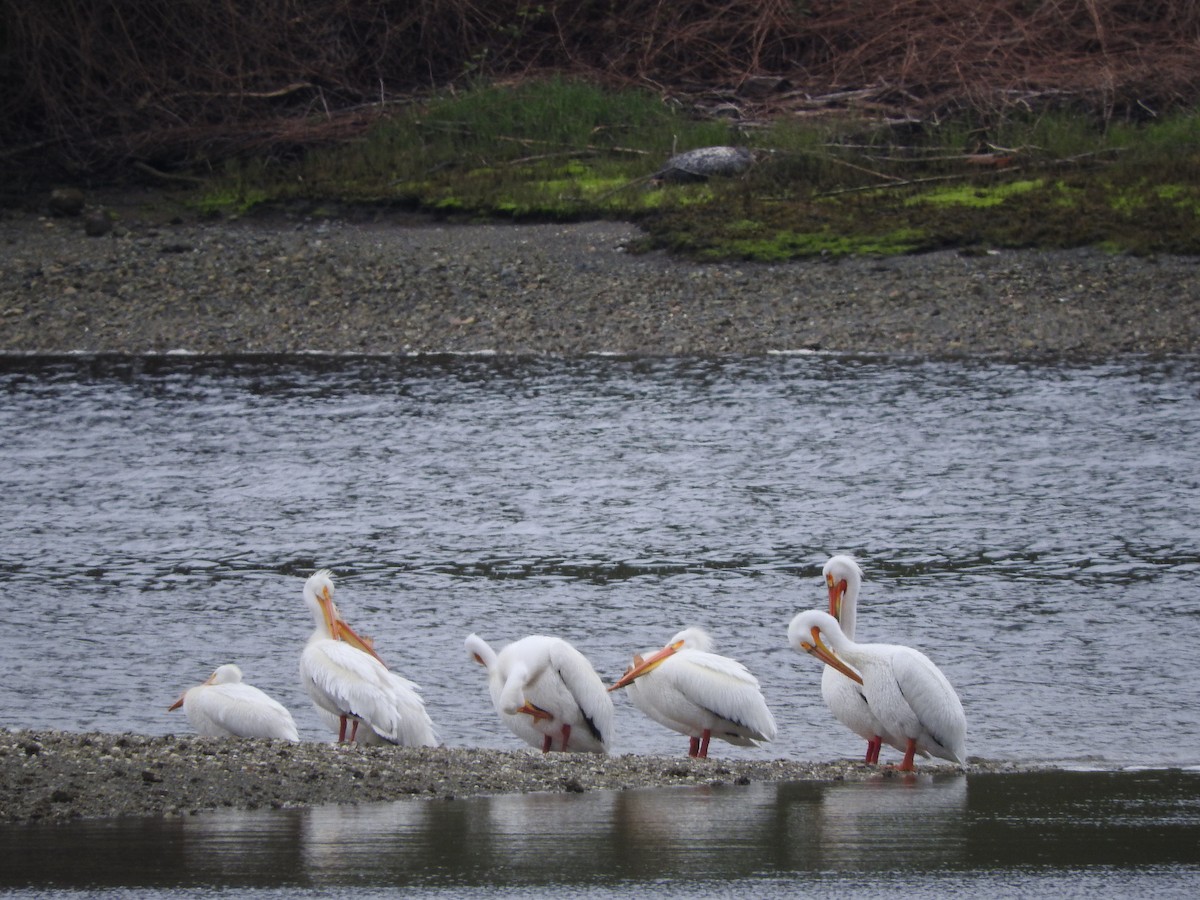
[[565, 150], [234, 202], [785, 245], [981, 196]]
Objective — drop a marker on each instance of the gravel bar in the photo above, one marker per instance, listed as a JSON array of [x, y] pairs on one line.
[[58, 776], [158, 284]]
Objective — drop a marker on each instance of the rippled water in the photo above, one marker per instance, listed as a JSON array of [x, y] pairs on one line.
[[1033, 529]]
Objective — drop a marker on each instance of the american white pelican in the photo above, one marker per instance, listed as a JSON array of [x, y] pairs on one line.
[[843, 696], [910, 697], [344, 677], [547, 692], [691, 690], [225, 707]]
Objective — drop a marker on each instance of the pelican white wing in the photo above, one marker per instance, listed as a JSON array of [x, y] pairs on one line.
[[345, 681], [580, 682], [705, 691], [939, 723], [698, 693], [239, 710], [547, 693], [225, 707]]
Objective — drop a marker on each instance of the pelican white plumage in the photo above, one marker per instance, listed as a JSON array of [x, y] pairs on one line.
[[346, 678], [696, 692], [915, 705], [547, 692], [844, 696], [223, 706]]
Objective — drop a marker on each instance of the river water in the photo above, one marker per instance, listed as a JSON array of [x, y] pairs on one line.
[[1060, 834], [1034, 529]]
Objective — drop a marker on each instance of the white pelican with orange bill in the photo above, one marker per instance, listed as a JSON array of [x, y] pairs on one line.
[[844, 696], [547, 693], [224, 706], [345, 677], [689, 689], [915, 705]]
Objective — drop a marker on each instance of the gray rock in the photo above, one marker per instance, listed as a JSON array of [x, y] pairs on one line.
[[704, 163], [97, 223], [66, 202]]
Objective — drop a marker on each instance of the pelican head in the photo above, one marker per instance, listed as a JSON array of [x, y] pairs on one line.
[[226, 674], [692, 638], [842, 578], [318, 594], [809, 632]]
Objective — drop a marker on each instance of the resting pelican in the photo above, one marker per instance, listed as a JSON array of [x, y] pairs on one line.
[[843, 696], [225, 707], [910, 697], [345, 677], [546, 691], [691, 690]]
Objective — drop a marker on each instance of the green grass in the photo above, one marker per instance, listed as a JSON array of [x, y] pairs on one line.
[[977, 196], [556, 149], [560, 150]]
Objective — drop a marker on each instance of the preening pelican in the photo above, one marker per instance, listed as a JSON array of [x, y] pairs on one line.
[[225, 707], [346, 678], [913, 702], [843, 696], [691, 690], [547, 693]]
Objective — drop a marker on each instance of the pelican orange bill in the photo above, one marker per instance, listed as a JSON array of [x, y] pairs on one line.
[[345, 633], [341, 631], [650, 663], [836, 591], [821, 651]]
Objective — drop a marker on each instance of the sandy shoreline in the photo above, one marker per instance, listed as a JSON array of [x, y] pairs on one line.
[[58, 776], [157, 284]]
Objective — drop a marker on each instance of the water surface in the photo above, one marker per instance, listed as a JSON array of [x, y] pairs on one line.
[[991, 835], [1032, 528]]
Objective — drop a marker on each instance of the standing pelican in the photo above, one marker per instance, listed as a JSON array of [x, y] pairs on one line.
[[225, 707], [910, 697], [345, 677], [691, 690], [546, 691], [844, 696]]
